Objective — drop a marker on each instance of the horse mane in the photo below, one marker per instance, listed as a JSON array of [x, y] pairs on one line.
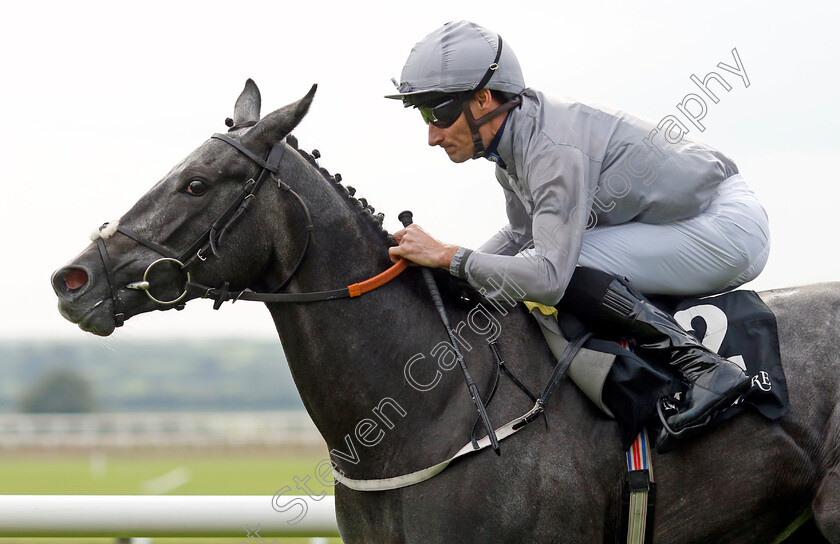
[[365, 210], [455, 290]]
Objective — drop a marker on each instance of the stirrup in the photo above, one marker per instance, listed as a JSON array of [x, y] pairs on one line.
[[668, 438], [689, 428]]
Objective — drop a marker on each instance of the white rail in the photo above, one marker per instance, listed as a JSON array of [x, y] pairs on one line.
[[108, 431], [171, 516]]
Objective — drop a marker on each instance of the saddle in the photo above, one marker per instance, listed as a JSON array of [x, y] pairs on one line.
[[737, 325]]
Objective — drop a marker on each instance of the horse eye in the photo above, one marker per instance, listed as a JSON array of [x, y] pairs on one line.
[[196, 187]]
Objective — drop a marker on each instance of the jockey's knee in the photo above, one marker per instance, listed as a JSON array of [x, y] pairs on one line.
[[750, 265]]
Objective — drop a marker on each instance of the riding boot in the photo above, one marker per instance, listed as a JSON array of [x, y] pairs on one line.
[[715, 382]]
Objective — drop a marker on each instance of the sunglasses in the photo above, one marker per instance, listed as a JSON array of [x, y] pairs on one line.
[[444, 114]]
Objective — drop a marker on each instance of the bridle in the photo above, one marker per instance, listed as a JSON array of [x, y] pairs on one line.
[[213, 238]]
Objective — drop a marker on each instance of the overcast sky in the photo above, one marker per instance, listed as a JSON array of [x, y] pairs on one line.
[[101, 99]]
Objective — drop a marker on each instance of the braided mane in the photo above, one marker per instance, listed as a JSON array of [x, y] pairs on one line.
[[360, 204]]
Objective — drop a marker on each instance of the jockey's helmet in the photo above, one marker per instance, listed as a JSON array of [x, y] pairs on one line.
[[459, 57]]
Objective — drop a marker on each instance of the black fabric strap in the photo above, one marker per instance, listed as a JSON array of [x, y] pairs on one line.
[[148, 243], [501, 366], [557, 375], [119, 316], [492, 68], [478, 145], [223, 295], [563, 364], [296, 297], [494, 347], [509, 105], [225, 222], [245, 151]]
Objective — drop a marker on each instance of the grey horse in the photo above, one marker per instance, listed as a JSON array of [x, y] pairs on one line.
[[375, 375]]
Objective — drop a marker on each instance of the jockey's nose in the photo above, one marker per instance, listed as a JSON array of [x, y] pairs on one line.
[[69, 280], [435, 135]]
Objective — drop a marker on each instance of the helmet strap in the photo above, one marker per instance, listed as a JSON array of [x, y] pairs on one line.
[[493, 66], [478, 145]]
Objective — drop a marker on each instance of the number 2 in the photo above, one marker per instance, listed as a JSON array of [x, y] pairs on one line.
[[716, 325]]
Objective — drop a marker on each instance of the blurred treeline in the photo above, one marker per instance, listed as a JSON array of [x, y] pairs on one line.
[[212, 375]]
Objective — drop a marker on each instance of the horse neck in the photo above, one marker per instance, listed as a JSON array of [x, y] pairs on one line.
[[348, 356], [345, 245]]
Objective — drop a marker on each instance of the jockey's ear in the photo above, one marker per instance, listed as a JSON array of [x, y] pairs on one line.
[[484, 99], [482, 103], [279, 123]]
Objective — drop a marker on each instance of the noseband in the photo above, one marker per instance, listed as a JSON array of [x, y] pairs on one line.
[[213, 238]]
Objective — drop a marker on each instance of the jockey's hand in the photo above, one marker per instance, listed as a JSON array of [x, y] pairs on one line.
[[418, 246]]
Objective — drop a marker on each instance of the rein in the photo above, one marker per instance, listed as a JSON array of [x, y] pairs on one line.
[[213, 238], [222, 294]]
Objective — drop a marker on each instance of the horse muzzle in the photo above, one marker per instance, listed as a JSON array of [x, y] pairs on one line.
[[82, 302], [99, 301]]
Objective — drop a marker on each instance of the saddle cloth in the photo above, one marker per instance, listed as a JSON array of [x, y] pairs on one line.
[[737, 325]]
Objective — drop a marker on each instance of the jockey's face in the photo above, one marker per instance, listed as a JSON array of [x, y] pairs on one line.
[[456, 139]]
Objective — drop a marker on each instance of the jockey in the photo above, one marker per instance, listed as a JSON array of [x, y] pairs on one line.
[[602, 207]]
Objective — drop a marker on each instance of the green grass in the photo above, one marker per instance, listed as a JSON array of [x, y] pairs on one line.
[[199, 473]]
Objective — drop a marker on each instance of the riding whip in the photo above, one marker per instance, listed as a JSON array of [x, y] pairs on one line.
[[406, 218]]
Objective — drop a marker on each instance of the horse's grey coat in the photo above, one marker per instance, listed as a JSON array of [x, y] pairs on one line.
[[745, 482]]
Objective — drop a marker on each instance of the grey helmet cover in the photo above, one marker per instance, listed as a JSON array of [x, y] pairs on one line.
[[454, 58]]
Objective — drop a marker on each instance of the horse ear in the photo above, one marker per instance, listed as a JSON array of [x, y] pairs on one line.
[[247, 108], [277, 124]]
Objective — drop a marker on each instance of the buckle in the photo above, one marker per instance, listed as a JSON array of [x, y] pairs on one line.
[[638, 480]]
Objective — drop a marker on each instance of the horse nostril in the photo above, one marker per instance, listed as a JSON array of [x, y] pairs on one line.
[[75, 278]]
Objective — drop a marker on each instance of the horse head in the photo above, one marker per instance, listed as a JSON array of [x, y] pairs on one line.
[[206, 222]]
